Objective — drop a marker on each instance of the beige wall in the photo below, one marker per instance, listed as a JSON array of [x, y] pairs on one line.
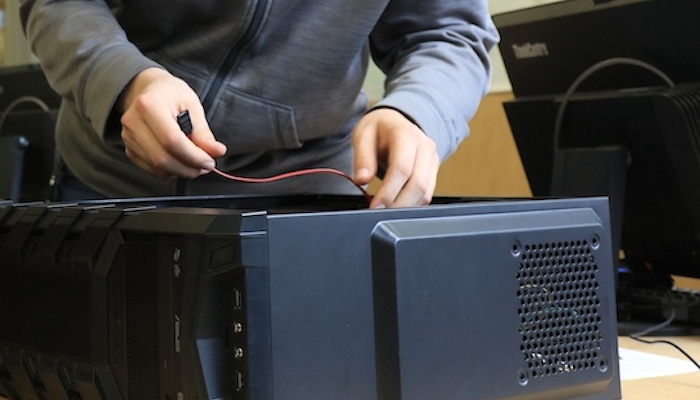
[[2, 36], [487, 163]]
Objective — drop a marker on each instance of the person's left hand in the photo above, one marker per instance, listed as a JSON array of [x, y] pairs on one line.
[[386, 137]]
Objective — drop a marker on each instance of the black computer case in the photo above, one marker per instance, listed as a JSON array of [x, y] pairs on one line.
[[307, 297]]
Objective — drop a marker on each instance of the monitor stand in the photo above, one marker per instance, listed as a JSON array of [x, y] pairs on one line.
[[645, 299]]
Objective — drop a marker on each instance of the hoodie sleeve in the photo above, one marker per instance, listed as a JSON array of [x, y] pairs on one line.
[[435, 57], [84, 53]]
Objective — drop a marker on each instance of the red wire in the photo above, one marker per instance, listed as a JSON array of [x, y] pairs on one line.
[[183, 120], [294, 174]]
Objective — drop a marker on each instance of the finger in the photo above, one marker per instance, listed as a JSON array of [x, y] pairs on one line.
[[202, 136], [183, 156], [420, 187], [365, 164], [148, 160], [135, 148], [402, 158], [139, 162], [145, 145]]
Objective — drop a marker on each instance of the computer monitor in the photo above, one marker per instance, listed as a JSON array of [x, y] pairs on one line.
[[607, 102], [27, 149], [545, 48], [28, 112]]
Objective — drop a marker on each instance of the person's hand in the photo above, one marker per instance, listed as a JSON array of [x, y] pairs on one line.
[[386, 137], [151, 134]]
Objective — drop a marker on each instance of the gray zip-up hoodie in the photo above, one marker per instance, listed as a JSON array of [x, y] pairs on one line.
[[280, 80]]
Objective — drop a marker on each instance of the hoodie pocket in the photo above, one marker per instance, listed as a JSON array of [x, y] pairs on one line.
[[248, 124]]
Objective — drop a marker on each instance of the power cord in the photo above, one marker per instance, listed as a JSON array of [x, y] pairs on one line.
[[669, 320], [587, 74], [21, 100]]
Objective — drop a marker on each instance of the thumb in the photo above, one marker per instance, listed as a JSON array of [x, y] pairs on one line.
[[208, 143], [202, 136]]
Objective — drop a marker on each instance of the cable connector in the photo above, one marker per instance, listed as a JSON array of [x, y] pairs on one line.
[[183, 119]]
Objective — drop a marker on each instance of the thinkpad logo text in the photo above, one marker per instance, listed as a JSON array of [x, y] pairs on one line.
[[530, 50]]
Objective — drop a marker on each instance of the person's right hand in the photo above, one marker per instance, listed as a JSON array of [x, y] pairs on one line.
[[150, 132]]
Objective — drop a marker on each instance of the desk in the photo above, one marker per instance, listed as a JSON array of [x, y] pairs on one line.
[[672, 387]]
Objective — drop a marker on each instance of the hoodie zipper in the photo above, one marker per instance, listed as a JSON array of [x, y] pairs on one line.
[[234, 54]]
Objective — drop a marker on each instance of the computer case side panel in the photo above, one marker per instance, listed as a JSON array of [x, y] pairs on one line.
[[536, 306], [322, 301]]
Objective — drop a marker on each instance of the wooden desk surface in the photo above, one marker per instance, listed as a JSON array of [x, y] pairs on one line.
[[672, 387]]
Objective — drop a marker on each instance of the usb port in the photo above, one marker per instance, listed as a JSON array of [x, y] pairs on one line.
[[240, 383], [237, 299]]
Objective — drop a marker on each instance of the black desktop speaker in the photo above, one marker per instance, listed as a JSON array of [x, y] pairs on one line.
[[307, 297]]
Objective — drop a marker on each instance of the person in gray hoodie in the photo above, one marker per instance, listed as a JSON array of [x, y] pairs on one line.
[[271, 86]]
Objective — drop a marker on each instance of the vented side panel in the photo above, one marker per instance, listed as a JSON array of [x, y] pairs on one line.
[[502, 306], [560, 308]]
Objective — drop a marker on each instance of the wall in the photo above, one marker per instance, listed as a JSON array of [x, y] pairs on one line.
[[15, 49]]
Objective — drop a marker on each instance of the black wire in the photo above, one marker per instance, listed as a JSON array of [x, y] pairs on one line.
[[590, 71], [637, 336], [18, 101], [688, 356]]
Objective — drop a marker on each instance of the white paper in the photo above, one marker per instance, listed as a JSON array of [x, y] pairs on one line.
[[635, 364]]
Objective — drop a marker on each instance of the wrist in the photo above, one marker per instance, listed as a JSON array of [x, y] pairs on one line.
[[396, 110]]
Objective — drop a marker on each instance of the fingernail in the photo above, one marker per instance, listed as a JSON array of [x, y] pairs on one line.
[[362, 173], [209, 165], [379, 206]]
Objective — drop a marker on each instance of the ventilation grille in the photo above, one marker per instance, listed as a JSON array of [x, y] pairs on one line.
[[559, 307]]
